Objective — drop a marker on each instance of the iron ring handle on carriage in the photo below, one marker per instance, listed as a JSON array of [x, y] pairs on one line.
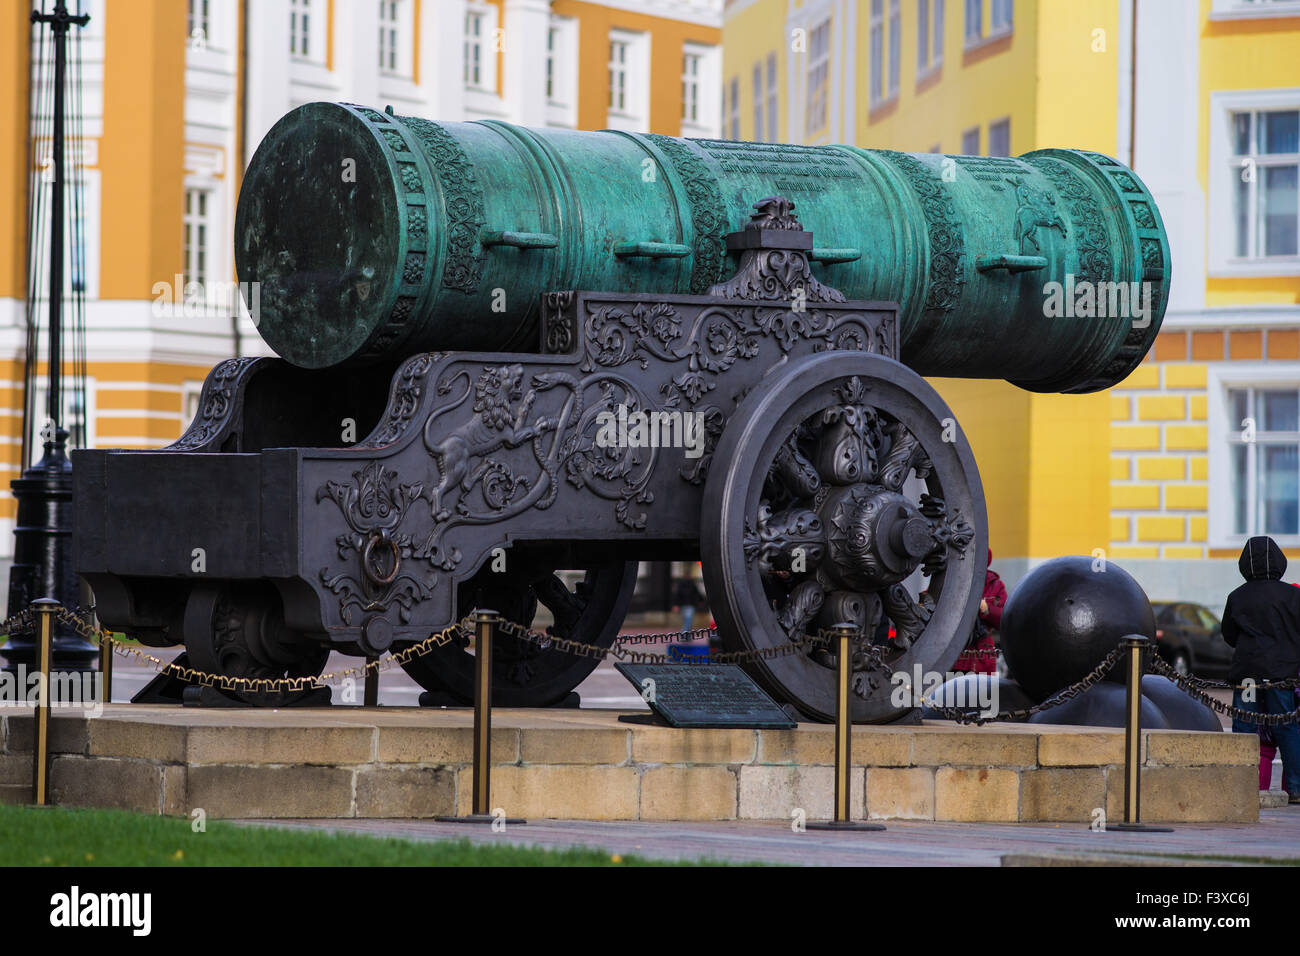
[[368, 564]]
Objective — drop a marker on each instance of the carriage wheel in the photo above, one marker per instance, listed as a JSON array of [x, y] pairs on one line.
[[237, 629], [524, 675], [843, 491]]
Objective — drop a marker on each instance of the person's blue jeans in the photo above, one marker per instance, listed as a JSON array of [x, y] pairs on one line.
[[1287, 736], [688, 616]]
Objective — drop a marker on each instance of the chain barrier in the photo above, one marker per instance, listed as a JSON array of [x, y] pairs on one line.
[[1192, 686], [618, 651], [1291, 683], [965, 715], [1195, 687], [258, 685]]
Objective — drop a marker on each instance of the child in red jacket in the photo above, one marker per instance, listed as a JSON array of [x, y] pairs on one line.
[[980, 655]]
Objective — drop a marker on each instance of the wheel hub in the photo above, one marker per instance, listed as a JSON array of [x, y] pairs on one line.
[[875, 538]]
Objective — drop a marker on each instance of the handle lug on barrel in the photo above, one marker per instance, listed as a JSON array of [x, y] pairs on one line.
[[520, 240], [651, 250], [832, 256], [1011, 263]]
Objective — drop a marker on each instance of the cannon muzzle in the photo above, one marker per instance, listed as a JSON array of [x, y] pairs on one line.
[[374, 237]]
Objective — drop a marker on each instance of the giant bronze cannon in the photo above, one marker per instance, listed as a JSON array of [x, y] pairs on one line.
[[507, 353]]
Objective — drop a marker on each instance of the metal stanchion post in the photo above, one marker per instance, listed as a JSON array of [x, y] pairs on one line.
[[1136, 645], [45, 608], [485, 624], [372, 684], [106, 670], [843, 736]]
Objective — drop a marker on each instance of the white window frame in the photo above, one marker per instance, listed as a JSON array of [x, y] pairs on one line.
[[215, 49], [400, 32], [1253, 9], [562, 104], [1258, 375], [634, 114], [213, 275], [818, 68], [317, 13], [81, 157], [198, 23], [484, 15], [1222, 237], [756, 93], [40, 416], [708, 88], [692, 80]]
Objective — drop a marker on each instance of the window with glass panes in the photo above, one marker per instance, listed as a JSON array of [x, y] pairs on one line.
[[1266, 169], [937, 46], [758, 103], [876, 39], [197, 24], [895, 45], [970, 142], [691, 87], [819, 77], [1264, 460], [974, 19], [300, 13], [389, 30], [551, 39], [1001, 18], [733, 114], [771, 99], [474, 20], [196, 235], [1000, 138], [618, 75]]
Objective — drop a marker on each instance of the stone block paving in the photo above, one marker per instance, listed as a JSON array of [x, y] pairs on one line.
[[904, 843]]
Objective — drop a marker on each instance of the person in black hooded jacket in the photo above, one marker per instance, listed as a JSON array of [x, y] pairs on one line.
[[1262, 623]]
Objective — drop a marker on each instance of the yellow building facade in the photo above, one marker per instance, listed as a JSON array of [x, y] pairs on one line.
[[176, 95], [1154, 472]]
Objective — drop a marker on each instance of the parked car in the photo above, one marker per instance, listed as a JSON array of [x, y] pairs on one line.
[[1190, 638]]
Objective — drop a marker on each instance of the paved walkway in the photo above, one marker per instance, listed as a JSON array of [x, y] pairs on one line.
[[1276, 836]]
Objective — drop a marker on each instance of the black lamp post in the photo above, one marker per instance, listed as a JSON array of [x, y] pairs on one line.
[[42, 565]]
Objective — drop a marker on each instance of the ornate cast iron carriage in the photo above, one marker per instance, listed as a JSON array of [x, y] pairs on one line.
[[569, 281]]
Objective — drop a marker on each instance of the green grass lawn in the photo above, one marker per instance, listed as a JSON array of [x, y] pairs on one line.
[[62, 837]]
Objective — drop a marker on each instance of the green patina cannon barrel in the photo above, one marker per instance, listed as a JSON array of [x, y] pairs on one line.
[[373, 236]]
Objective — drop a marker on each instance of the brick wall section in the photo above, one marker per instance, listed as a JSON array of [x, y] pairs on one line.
[[1160, 434], [1159, 439]]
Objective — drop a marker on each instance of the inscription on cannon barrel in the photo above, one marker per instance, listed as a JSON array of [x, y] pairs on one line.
[[705, 695]]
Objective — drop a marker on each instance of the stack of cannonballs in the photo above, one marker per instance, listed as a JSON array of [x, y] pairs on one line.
[[1060, 622]]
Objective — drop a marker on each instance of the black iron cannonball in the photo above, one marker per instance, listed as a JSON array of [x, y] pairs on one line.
[[1065, 616]]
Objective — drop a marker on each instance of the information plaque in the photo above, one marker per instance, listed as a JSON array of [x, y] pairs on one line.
[[705, 695]]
